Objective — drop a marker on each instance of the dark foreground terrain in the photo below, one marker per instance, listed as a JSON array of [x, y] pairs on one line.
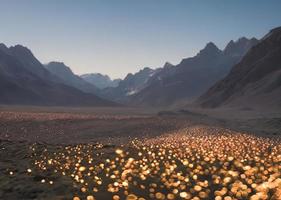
[[105, 154]]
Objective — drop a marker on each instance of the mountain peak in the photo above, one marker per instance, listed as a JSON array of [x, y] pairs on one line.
[[211, 45], [229, 45], [99, 80], [240, 46], [17, 49], [21, 50], [210, 49], [242, 39], [255, 80], [56, 63], [231, 42], [168, 65], [20, 47], [96, 76], [3, 47], [58, 67], [145, 69]]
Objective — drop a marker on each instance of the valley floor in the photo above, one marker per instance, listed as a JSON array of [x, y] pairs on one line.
[[60, 153]]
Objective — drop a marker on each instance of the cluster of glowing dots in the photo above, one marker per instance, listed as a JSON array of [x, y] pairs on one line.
[[188, 164]]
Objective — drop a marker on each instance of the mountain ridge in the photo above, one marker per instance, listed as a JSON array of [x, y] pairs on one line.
[[256, 79], [191, 77], [69, 78], [99, 80], [25, 81]]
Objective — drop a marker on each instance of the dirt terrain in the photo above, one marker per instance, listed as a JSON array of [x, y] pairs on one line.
[[123, 153], [83, 128]]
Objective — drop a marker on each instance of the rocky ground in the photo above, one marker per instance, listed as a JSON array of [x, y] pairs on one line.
[[88, 155]]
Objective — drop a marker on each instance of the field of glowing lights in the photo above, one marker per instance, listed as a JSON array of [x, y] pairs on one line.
[[85, 157]]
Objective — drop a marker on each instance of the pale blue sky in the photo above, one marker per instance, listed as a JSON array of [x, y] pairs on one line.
[[115, 37]]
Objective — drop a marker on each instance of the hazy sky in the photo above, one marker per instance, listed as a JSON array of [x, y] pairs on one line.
[[120, 36]]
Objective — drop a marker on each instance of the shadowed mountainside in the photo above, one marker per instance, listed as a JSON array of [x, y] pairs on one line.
[[69, 78], [24, 80], [192, 76], [253, 82], [132, 84], [100, 81]]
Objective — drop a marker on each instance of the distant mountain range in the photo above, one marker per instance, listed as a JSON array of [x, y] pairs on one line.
[[131, 85], [69, 78], [246, 73], [254, 82], [100, 81], [183, 82], [25, 81]]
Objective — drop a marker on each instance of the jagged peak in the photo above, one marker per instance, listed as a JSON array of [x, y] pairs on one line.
[[242, 39], [3, 47], [56, 62], [20, 47], [231, 42], [100, 75], [145, 69], [229, 45], [168, 65], [128, 76], [141, 71], [240, 46], [246, 40], [59, 66], [17, 49], [210, 49], [22, 50], [211, 45]]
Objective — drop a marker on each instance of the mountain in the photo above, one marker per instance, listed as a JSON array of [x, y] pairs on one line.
[[30, 62], [69, 78], [25, 81], [192, 76], [132, 84], [100, 81], [240, 47], [254, 82]]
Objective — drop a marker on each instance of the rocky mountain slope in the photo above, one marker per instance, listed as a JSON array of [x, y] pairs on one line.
[[69, 78], [255, 82], [100, 81], [25, 81], [192, 76], [130, 85]]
